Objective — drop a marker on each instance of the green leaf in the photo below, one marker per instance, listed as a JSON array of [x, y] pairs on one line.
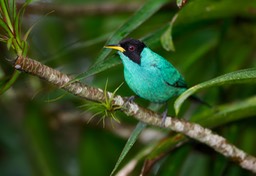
[[10, 21], [149, 8], [24, 47], [166, 38], [101, 66], [211, 9], [12, 8], [9, 43], [17, 22], [166, 145], [227, 113], [114, 60], [132, 139], [6, 15], [237, 77], [10, 82], [5, 27]]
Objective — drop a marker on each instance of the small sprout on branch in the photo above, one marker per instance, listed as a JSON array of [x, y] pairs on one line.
[[10, 24], [106, 108]]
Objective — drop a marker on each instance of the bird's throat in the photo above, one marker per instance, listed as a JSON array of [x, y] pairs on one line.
[[133, 57]]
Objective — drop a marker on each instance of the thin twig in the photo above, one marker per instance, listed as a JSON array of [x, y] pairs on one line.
[[191, 130]]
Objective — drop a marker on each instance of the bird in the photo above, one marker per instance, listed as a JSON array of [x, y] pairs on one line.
[[149, 75]]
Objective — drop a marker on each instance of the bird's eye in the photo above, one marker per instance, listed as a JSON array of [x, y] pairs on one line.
[[131, 48]]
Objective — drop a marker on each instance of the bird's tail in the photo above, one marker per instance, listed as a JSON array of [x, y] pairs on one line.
[[200, 101]]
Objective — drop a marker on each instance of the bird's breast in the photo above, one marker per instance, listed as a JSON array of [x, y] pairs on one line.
[[148, 84]]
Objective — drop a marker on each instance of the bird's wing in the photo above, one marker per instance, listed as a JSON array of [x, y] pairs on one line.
[[171, 75], [156, 64]]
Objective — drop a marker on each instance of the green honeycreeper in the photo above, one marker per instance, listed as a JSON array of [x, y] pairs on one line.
[[148, 74]]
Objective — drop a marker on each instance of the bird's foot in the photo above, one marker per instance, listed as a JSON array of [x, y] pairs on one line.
[[164, 115], [131, 99]]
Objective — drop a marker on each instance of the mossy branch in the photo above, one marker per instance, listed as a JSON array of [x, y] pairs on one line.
[[189, 129]]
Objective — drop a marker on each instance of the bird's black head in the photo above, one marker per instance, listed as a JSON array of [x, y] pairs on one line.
[[133, 49]]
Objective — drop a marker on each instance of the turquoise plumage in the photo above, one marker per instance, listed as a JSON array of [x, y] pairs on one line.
[[155, 79], [148, 74]]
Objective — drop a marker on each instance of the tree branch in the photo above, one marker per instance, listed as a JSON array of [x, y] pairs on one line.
[[192, 130]]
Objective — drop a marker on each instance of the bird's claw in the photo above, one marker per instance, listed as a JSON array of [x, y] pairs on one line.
[[130, 99], [164, 115]]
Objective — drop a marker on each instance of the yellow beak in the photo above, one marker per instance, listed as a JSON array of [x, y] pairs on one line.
[[116, 47]]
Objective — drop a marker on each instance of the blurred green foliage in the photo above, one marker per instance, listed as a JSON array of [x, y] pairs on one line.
[[45, 133]]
